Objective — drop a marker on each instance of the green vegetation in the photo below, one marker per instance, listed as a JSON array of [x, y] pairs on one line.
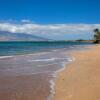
[[96, 36]]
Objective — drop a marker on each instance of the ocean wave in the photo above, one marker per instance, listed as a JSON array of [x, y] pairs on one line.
[[50, 59], [41, 53], [2, 57]]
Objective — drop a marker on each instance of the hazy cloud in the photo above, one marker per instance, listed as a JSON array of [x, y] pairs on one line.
[[48, 29], [63, 28], [26, 21]]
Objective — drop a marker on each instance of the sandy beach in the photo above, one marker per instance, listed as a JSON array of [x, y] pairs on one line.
[[81, 79]]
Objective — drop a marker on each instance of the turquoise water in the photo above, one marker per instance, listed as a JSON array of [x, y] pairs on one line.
[[14, 48]]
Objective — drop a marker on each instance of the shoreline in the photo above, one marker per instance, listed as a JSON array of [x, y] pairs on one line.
[[79, 80], [19, 82], [55, 75]]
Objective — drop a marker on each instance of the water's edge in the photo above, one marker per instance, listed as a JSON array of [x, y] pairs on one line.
[[55, 76]]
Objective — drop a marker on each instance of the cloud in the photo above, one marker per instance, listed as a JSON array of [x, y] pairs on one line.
[[26, 21], [48, 30]]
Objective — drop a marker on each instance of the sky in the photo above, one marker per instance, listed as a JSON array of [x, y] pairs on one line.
[[54, 19]]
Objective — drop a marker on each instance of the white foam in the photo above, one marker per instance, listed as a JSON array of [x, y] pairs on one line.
[[42, 53], [49, 59], [38, 60], [2, 57], [55, 50], [47, 64], [52, 91]]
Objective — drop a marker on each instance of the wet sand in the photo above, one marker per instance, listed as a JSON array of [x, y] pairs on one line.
[[81, 79]]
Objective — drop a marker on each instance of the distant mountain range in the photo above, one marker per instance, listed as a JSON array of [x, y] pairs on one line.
[[8, 36]]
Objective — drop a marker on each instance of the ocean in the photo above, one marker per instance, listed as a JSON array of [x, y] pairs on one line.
[[28, 70]]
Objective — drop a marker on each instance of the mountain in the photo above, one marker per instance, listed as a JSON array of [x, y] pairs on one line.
[[8, 36]]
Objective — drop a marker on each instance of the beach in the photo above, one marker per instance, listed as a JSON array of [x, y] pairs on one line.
[[28, 73], [81, 79]]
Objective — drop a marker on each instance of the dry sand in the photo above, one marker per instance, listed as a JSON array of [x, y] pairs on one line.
[[81, 79]]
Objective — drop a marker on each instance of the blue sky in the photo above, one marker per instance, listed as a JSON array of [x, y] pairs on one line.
[[51, 12]]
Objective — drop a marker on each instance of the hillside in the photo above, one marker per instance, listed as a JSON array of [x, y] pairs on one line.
[[8, 36]]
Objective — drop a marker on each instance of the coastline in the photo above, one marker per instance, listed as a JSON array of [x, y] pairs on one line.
[[80, 79], [22, 74]]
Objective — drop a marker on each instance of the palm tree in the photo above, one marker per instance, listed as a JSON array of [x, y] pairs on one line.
[[97, 35]]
